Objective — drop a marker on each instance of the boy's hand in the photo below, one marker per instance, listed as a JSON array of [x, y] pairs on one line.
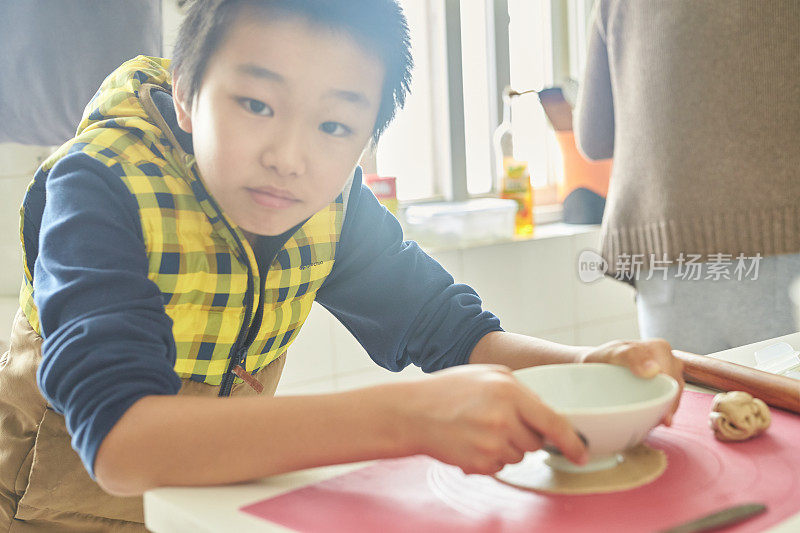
[[644, 358], [480, 418]]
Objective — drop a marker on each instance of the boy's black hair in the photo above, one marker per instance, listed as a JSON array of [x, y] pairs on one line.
[[379, 25]]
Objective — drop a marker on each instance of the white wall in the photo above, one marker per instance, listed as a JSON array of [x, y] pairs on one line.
[[531, 285]]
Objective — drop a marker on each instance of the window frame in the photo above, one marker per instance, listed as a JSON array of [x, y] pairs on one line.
[[568, 26]]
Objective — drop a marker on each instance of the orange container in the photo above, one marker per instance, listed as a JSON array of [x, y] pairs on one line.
[[579, 171]]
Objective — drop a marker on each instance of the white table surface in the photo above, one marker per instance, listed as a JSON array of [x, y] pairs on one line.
[[215, 509]]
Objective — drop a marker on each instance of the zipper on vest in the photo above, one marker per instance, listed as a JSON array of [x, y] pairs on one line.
[[248, 334], [238, 354]]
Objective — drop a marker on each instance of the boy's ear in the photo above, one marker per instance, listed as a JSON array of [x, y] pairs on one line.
[[182, 110]]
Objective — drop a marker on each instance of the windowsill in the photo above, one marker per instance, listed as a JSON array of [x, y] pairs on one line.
[[547, 225], [547, 214], [551, 230]]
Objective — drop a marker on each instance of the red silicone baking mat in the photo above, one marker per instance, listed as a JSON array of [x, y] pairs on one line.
[[419, 494]]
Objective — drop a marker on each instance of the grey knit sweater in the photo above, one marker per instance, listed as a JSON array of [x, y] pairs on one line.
[[698, 102]]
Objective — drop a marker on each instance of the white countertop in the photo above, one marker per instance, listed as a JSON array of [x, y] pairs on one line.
[[216, 509]]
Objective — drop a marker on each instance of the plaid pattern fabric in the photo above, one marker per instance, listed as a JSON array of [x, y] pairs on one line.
[[193, 253]]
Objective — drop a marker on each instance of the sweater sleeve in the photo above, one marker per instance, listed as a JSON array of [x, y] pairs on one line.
[[397, 301], [107, 339], [594, 114]]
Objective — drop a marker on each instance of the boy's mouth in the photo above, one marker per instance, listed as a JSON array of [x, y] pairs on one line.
[[274, 198]]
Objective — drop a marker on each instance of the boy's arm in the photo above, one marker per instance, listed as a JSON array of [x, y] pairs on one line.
[[196, 441], [398, 302], [476, 417], [520, 351], [107, 339], [403, 307]]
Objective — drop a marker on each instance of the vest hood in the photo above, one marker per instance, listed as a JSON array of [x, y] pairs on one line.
[[117, 100]]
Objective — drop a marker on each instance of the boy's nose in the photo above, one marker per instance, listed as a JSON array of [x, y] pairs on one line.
[[285, 153]]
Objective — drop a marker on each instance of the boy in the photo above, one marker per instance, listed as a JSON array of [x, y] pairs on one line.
[[186, 231]]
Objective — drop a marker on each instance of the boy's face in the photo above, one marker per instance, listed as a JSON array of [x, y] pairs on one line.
[[283, 113]]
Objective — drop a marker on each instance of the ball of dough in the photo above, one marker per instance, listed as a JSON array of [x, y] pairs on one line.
[[736, 415]]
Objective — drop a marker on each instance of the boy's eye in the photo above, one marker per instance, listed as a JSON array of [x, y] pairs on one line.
[[257, 107], [337, 129]]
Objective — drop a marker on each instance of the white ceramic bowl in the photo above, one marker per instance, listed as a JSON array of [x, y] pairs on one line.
[[610, 406]]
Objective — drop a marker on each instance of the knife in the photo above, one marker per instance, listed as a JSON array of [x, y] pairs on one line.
[[726, 517]]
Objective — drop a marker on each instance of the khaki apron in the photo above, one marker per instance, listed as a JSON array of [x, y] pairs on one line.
[[43, 483]]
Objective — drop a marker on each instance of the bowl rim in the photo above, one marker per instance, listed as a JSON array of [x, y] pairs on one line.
[[670, 394]]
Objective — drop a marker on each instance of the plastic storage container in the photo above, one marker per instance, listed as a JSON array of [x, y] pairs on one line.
[[456, 224]]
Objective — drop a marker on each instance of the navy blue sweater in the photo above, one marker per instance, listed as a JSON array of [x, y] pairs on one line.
[[108, 341]]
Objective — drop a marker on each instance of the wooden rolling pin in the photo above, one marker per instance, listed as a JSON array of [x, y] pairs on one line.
[[775, 390]]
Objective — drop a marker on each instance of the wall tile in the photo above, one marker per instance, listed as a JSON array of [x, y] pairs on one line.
[[8, 308], [377, 376], [603, 299], [452, 261], [350, 356], [527, 284], [10, 269], [311, 355], [589, 239], [322, 386], [12, 190], [21, 160], [600, 332], [561, 335]]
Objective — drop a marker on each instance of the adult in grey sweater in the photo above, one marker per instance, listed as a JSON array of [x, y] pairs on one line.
[[698, 102]]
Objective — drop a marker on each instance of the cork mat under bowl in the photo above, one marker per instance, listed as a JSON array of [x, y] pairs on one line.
[[640, 465]]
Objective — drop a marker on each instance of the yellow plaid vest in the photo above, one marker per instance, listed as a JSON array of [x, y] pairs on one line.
[[198, 257]]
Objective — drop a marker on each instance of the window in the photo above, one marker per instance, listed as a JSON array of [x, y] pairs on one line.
[[439, 148], [479, 93], [416, 145], [531, 67]]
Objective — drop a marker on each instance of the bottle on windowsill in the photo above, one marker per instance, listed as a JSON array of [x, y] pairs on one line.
[[385, 190], [513, 177]]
